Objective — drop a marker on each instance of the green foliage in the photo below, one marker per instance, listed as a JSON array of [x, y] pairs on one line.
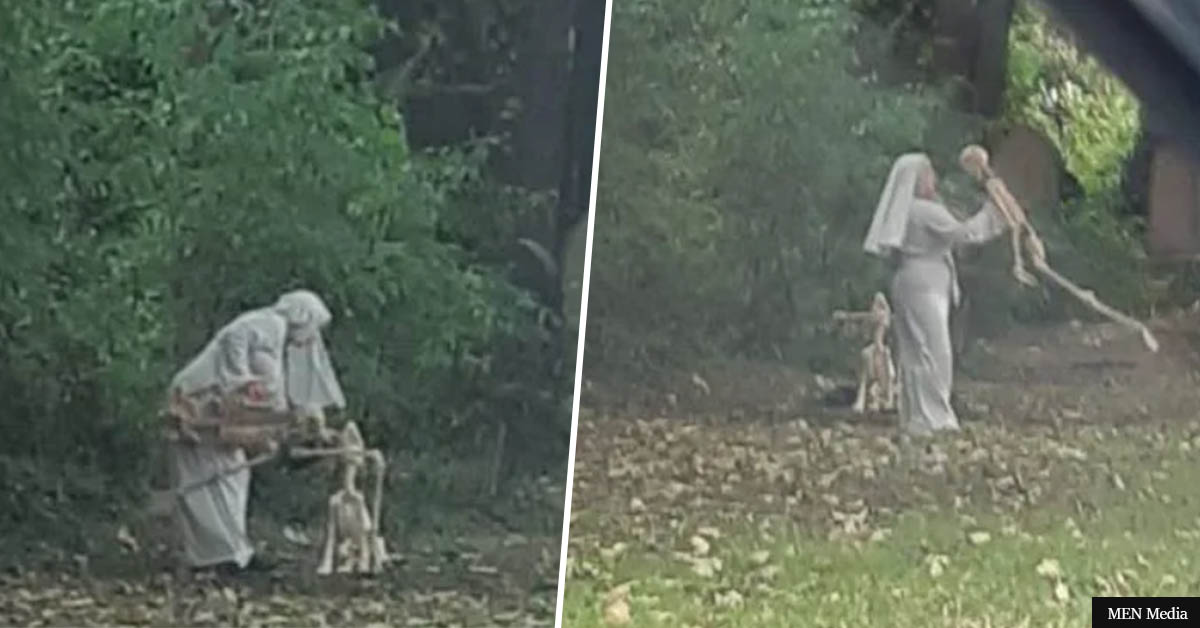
[[744, 149], [1059, 90], [170, 164], [741, 165], [814, 570]]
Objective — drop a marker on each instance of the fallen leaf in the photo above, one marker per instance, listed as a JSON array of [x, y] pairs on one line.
[[616, 607], [730, 599], [612, 553], [1060, 591], [295, 536], [706, 567], [937, 564], [126, 539], [1049, 568], [979, 537]]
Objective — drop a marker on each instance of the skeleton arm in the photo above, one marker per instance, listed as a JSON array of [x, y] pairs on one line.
[[323, 452], [843, 315], [1018, 225], [331, 534], [880, 314]]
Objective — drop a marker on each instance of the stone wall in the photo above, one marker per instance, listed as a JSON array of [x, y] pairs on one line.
[[1173, 204]]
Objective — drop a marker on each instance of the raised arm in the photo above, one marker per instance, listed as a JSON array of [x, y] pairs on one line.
[[985, 225]]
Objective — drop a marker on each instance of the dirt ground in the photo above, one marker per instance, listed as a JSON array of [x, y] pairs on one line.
[[484, 575], [1073, 364], [743, 440]]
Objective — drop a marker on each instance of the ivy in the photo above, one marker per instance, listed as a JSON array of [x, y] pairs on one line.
[[1057, 89]]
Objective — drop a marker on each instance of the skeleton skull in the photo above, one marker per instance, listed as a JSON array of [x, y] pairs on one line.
[[974, 159]]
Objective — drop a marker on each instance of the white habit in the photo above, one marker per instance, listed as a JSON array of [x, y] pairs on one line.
[[919, 235], [281, 348]]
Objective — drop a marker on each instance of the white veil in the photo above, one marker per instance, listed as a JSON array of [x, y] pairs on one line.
[[891, 214], [311, 381]]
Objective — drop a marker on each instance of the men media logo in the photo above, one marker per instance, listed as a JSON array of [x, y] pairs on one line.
[[1144, 611]]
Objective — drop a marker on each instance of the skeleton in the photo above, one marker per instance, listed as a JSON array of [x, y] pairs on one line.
[[352, 542], [974, 159], [878, 387], [244, 421]]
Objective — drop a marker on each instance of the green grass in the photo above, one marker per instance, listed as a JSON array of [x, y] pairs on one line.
[[1135, 539]]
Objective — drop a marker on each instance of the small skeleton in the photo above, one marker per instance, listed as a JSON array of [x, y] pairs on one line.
[[974, 159], [352, 541], [878, 388]]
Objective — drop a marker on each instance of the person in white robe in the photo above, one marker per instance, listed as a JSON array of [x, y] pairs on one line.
[[914, 230], [276, 356]]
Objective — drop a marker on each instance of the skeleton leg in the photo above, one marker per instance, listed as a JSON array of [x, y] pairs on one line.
[[365, 544], [893, 387], [881, 384], [1017, 228], [864, 376], [378, 550], [1003, 201], [331, 534]]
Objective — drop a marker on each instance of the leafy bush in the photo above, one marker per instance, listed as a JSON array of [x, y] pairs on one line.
[[745, 147], [168, 165], [1066, 94], [742, 161]]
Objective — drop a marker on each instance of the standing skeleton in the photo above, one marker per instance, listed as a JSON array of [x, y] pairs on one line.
[[974, 159], [878, 388], [352, 542]]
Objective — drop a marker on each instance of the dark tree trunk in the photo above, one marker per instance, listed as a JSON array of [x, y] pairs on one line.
[[542, 77], [955, 38], [1135, 177], [970, 43], [991, 59], [538, 135], [582, 101]]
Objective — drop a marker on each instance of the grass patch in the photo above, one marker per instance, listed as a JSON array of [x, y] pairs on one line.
[[1126, 526]]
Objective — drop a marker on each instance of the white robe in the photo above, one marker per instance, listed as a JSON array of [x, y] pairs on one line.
[[213, 517], [924, 288]]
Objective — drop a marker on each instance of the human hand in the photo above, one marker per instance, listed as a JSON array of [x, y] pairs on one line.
[[256, 391]]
